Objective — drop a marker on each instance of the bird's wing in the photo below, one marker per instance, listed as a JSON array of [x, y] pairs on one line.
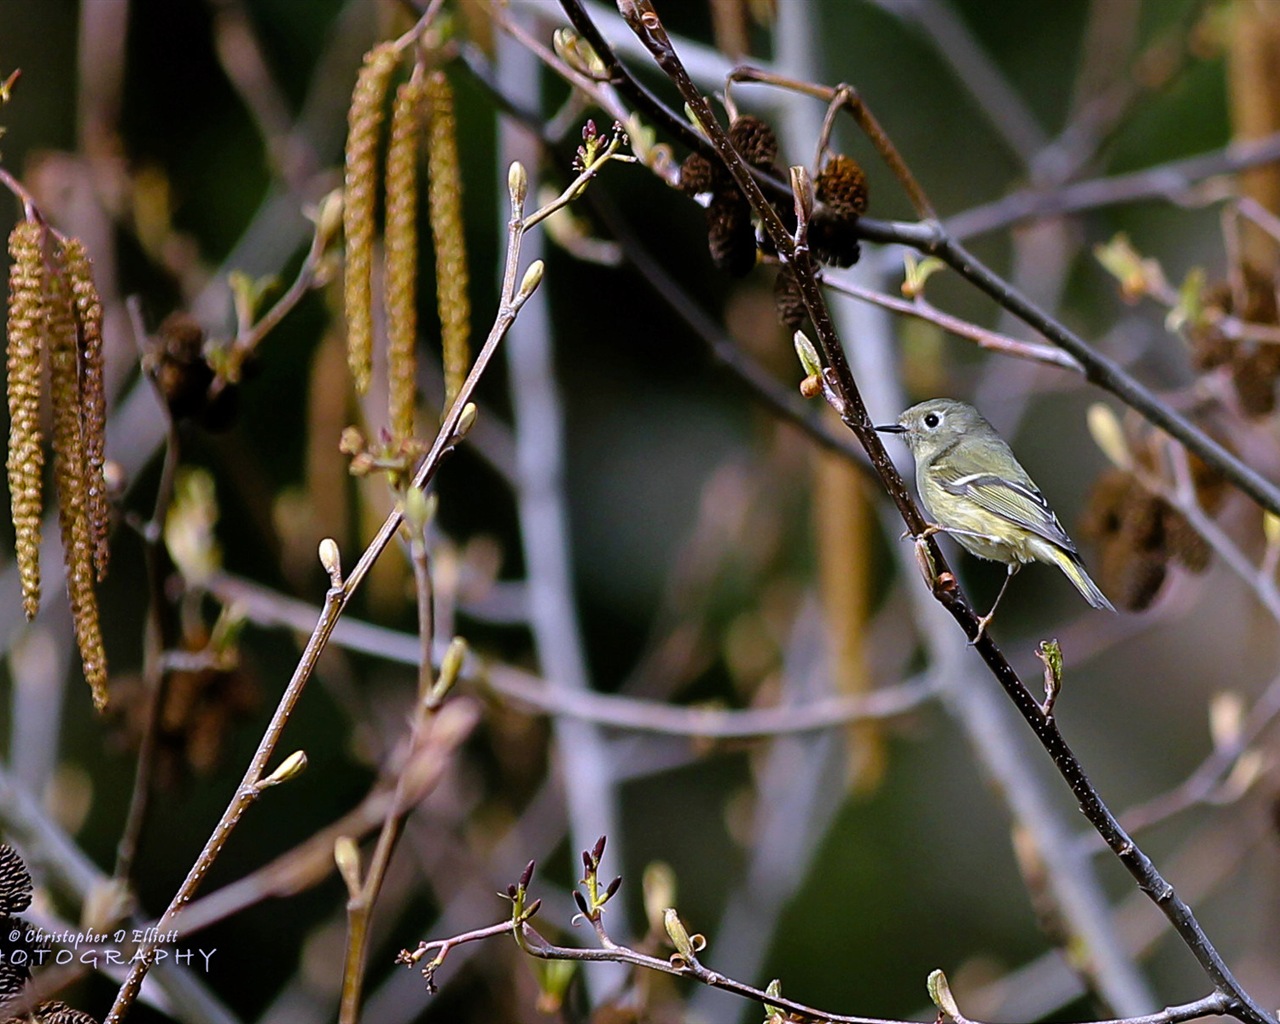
[[1018, 501]]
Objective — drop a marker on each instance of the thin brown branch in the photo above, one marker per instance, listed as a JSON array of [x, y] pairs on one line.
[[845, 97], [685, 964], [993, 341]]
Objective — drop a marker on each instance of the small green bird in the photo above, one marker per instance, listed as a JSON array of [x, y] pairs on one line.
[[974, 488]]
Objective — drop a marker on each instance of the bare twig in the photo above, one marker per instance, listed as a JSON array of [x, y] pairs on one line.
[[992, 341], [159, 632], [685, 964], [1173, 181]]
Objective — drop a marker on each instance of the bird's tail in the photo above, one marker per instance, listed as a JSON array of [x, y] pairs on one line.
[[1074, 570]]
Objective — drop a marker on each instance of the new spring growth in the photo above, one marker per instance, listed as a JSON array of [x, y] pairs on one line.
[[419, 509], [940, 993], [450, 670], [809, 358], [802, 190], [773, 1013], [811, 386], [466, 420], [591, 904], [687, 946], [327, 217], [1050, 653], [578, 53], [290, 768], [916, 273], [521, 909], [532, 278], [347, 856], [331, 559], [517, 185]]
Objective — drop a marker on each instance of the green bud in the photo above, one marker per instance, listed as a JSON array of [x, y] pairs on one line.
[[809, 358], [331, 559], [940, 993], [532, 278], [517, 184], [291, 767], [347, 856]]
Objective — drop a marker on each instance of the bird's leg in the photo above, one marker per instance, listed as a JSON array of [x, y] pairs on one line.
[[986, 619], [929, 530]]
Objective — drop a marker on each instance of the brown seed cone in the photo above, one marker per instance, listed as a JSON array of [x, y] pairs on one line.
[[360, 196], [1254, 378], [69, 474], [1103, 511], [1132, 578], [61, 1013], [444, 198], [1142, 519], [15, 882], [696, 174], [754, 139], [401, 254], [1211, 486], [15, 960], [25, 462], [832, 240], [788, 300], [1210, 348], [842, 187], [1183, 542], [93, 395], [176, 362], [731, 237]]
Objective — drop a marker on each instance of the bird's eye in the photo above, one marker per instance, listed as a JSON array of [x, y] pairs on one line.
[[932, 420]]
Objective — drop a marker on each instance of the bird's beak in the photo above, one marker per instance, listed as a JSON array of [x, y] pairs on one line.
[[892, 428]]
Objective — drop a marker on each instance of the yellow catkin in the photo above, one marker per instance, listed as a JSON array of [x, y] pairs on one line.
[[444, 201], [25, 460], [69, 475], [364, 124], [400, 244], [93, 395]]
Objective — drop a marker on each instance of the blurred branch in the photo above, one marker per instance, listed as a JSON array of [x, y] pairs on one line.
[[1175, 181], [240, 53], [266, 607], [975, 71], [158, 636]]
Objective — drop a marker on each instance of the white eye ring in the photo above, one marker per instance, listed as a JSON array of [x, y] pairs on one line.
[[931, 420]]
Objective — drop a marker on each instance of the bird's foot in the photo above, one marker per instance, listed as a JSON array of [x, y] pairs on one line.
[[983, 623]]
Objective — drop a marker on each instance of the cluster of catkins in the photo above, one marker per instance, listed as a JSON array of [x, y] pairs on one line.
[[17, 953], [1140, 535], [55, 324], [840, 188], [1254, 366]]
